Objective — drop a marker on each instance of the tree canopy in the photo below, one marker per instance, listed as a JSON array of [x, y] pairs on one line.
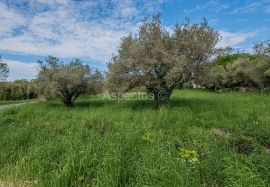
[[158, 60], [66, 81], [4, 70]]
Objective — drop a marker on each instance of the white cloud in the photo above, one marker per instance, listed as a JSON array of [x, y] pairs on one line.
[[9, 20], [19, 70], [252, 6], [68, 28], [214, 6], [234, 39]]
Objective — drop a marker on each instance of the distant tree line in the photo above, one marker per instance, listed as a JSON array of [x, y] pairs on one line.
[[238, 71], [18, 90]]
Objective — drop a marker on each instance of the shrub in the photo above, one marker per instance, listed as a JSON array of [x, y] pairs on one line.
[[247, 71], [242, 73]]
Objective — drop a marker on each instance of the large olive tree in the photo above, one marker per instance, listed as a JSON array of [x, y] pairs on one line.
[[66, 81], [158, 60]]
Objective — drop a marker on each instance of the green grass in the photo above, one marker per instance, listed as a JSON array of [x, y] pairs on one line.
[[10, 102], [2, 102], [128, 143]]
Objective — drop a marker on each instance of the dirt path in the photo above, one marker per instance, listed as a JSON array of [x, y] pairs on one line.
[[3, 107]]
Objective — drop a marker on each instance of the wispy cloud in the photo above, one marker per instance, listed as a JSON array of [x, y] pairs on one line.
[[234, 39], [20, 70], [214, 6], [252, 6], [69, 28]]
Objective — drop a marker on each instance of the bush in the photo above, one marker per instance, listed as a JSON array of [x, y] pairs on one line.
[[211, 76], [243, 73], [246, 71]]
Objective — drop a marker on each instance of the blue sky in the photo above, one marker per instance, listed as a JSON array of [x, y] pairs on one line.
[[92, 29]]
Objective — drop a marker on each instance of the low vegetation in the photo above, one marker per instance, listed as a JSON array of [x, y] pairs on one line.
[[18, 90], [200, 139], [235, 72], [11, 102]]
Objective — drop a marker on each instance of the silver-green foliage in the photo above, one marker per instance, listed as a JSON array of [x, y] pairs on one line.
[[66, 81], [4, 70], [158, 60]]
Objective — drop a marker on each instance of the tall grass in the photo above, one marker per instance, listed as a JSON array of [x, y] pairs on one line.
[[128, 143], [8, 102]]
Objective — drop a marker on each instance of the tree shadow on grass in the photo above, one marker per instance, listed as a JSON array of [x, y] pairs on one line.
[[54, 104], [136, 105], [79, 104], [91, 103], [192, 103], [140, 105]]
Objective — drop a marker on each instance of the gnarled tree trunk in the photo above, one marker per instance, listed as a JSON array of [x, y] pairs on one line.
[[68, 101]]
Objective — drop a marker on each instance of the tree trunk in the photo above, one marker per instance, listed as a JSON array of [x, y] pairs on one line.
[[68, 102], [162, 97]]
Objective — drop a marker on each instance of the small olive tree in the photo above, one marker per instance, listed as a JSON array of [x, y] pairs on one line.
[[160, 61], [4, 70], [66, 81]]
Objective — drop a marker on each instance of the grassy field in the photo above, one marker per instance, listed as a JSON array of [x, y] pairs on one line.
[[200, 139], [11, 102]]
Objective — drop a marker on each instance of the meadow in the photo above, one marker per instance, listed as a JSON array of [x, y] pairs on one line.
[[200, 139], [8, 102]]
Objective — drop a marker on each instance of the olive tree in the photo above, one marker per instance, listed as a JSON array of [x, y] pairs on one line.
[[243, 73], [159, 61], [262, 69], [4, 70], [262, 48], [95, 83], [66, 81], [197, 43]]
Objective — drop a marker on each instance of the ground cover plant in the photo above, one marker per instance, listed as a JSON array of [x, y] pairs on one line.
[[200, 139]]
